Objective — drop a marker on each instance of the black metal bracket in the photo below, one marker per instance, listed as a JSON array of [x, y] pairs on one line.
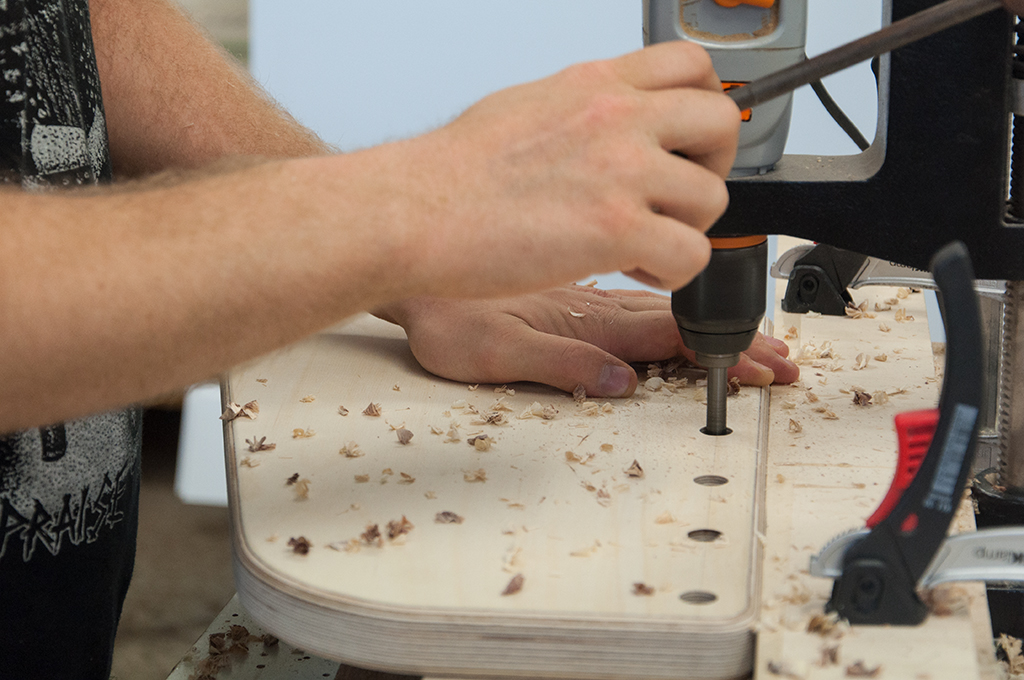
[[936, 172], [819, 280]]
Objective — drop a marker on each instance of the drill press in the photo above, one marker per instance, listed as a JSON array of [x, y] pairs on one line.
[[720, 311]]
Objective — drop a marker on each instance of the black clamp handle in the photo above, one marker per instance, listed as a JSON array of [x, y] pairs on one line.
[[880, 572]]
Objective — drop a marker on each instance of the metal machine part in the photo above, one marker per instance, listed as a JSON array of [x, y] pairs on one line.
[[745, 42], [720, 311], [719, 314]]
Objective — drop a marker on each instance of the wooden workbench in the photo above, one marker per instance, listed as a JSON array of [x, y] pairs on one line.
[[560, 507]]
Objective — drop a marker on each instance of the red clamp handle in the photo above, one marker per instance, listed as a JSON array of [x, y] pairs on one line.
[[914, 432]]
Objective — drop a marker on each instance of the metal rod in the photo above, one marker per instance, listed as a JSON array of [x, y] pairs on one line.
[[896, 35], [718, 389]]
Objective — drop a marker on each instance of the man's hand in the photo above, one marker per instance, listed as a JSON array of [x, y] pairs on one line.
[[569, 336], [547, 182]]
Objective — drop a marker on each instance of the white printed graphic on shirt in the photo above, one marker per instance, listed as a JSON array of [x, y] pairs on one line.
[[65, 484]]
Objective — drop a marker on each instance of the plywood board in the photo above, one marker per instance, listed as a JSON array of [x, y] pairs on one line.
[[551, 501]]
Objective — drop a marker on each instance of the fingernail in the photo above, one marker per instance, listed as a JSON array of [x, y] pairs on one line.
[[614, 380]]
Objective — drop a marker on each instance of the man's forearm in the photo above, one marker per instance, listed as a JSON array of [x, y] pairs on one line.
[[174, 99]]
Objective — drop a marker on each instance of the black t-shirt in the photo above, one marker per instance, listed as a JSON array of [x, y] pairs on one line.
[[69, 492]]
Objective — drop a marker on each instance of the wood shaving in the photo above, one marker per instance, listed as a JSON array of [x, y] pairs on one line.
[[607, 448], [506, 390], [859, 311], [904, 293], [399, 527], [301, 489], [342, 410], [257, 445], [665, 518], [884, 327], [372, 535], [587, 551], [453, 435], [654, 384], [249, 462], [514, 586], [881, 358], [1011, 646], [404, 436], [901, 316], [824, 624], [947, 599], [299, 433], [795, 427], [879, 398], [308, 399], [829, 656], [892, 301], [436, 430], [362, 479], [460, 404], [492, 418], [351, 450], [396, 388], [472, 388], [827, 413], [789, 405], [810, 396], [571, 457], [579, 394], [861, 362], [372, 410], [448, 517], [641, 588], [882, 307], [430, 495], [475, 475], [500, 405], [604, 499], [352, 545], [576, 315], [592, 408], [792, 333], [861, 398], [858, 669], [251, 410], [480, 442], [291, 480], [634, 470], [537, 411], [262, 381], [733, 387], [300, 545], [403, 478], [387, 471]]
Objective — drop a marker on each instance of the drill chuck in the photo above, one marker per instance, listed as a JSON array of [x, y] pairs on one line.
[[720, 311]]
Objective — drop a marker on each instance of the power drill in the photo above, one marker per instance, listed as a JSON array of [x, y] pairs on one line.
[[720, 311]]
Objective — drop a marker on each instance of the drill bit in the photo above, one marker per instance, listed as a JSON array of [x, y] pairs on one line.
[[718, 389]]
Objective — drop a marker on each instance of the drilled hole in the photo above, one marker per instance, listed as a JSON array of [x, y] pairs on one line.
[[698, 597], [711, 480], [705, 535]]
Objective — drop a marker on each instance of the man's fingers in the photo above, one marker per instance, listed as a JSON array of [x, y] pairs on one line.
[[667, 65], [700, 125], [672, 252], [566, 363]]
